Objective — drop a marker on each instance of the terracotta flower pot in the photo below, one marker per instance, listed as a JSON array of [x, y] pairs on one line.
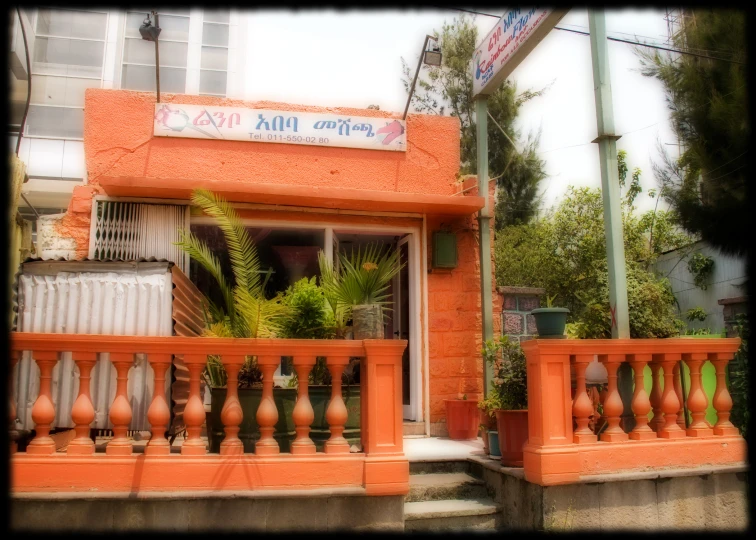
[[462, 419], [513, 434]]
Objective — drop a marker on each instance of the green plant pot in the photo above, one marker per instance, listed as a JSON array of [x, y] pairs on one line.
[[550, 322], [285, 400], [493, 444]]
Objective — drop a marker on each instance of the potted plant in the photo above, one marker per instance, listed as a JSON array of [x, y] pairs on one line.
[[550, 321], [312, 319], [510, 380], [244, 312], [462, 419], [361, 282], [487, 408]]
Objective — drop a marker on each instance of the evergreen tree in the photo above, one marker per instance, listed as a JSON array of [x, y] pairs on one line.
[[708, 99], [448, 89]]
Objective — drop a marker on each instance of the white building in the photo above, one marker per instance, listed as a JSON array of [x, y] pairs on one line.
[[70, 50]]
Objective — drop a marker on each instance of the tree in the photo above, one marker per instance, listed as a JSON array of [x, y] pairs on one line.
[[565, 253], [706, 186], [449, 88]]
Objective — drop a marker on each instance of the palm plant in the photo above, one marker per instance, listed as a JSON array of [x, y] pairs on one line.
[[338, 313], [246, 312]]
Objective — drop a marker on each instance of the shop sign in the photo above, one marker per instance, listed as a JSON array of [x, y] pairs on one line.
[[283, 127], [511, 40]]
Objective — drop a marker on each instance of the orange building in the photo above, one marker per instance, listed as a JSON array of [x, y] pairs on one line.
[[298, 196]]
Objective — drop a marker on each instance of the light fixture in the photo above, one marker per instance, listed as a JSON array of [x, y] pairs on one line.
[[149, 32], [432, 58], [596, 374]]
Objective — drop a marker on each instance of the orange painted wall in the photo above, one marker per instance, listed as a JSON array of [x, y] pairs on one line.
[[454, 319]]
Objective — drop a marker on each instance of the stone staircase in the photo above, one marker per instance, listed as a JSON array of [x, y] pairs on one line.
[[444, 496]]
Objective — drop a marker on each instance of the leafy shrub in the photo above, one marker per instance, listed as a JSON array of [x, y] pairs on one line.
[[510, 380], [307, 303], [695, 314], [739, 380], [701, 267]]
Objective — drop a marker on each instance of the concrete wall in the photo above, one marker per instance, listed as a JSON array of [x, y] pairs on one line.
[[195, 513], [696, 500]]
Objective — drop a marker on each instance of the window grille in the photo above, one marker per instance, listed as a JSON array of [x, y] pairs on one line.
[[131, 230]]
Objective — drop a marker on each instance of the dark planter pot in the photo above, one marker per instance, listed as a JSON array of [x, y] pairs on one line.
[[487, 423], [285, 399], [367, 321], [493, 441], [513, 434], [462, 419], [550, 322]]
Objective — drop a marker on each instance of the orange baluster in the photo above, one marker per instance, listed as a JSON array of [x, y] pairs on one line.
[[697, 401], [582, 406], [194, 411], [43, 412], [641, 404], [337, 413], [159, 413], [669, 402], [656, 397], [679, 394], [267, 413], [303, 415], [722, 400], [82, 412], [231, 414], [12, 432], [613, 406], [120, 410]]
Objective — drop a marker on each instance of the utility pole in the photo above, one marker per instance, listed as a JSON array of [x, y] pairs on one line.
[[484, 229], [615, 246]]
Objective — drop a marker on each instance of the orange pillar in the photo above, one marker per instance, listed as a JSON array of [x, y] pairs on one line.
[[656, 396], [641, 404], [43, 411], [232, 414], [303, 415], [159, 413], [82, 412], [669, 402], [120, 410], [613, 406], [337, 413], [386, 466], [722, 400], [550, 455], [680, 397], [582, 407], [194, 411], [697, 401], [267, 412]]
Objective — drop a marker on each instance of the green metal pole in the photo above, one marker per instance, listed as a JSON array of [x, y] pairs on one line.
[[486, 300], [615, 246]]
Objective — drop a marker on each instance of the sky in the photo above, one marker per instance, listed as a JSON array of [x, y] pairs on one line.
[[353, 58]]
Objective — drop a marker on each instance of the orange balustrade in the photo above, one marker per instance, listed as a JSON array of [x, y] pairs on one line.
[[555, 454], [381, 468]]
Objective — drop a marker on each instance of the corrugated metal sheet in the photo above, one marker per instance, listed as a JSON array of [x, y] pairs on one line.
[[187, 321], [133, 298], [729, 272]]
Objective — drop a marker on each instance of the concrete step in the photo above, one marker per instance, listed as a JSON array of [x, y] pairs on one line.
[[445, 486], [439, 466], [451, 515], [413, 428]]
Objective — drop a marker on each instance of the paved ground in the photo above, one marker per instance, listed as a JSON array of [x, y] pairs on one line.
[[433, 448]]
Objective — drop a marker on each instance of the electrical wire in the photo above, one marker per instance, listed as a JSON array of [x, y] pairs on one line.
[[636, 43]]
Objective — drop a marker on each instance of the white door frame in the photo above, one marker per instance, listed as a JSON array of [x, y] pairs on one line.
[[408, 411], [419, 345]]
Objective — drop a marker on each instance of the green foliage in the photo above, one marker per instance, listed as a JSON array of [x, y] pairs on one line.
[[364, 275], [510, 377], [491, 403], [246, 312], [308, 311], [708, 100], [337, 314], [695, 314], [448, 89], [565, 253], [739, 380], [701, 267]]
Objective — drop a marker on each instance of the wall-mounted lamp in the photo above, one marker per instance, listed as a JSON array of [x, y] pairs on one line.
[[151, 33], [432, 57]]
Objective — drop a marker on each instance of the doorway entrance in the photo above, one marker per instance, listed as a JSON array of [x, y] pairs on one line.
[[401, 319]]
